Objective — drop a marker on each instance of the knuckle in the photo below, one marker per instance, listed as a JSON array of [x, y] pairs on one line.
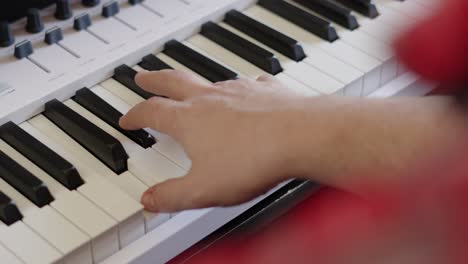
[[264, 77]]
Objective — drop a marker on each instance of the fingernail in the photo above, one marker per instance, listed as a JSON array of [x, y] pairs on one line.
[[140, 75], [148, 201], [122, 122]]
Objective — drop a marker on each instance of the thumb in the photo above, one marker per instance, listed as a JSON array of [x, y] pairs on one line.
[[176, 195]]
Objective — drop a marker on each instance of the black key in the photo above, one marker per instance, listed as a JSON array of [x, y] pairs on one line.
[[111, 116], [102, 145], [254, 54], [9, 213], [365, 7], [302, 18], [153, 63], [198, 62], [41, 155], [126, 76], [332, 11], [266, 35], [45, 158], [23, 181]]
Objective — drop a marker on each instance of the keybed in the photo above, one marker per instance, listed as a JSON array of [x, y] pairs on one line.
[[71, 178]]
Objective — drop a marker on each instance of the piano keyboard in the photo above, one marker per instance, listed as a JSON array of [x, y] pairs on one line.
[[71, 178]]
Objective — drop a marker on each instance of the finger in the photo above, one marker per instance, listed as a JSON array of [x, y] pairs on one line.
[[177, 85], [266, 78], [175, 195], [157, 113]]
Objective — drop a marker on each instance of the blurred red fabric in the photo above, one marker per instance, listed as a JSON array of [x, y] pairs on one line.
[[424, 221], [436, 48]]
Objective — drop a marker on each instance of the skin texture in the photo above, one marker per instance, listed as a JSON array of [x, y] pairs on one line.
[[245, 136]]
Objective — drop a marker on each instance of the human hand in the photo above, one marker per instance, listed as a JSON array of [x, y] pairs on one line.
[[234, 132]]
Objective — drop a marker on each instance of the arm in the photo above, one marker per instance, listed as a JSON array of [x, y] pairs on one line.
[[374, 141], [245, 136]]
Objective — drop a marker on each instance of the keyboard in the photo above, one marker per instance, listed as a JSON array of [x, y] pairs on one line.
[[71, 178]]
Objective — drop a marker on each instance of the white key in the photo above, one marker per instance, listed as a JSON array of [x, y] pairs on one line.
[[316, 58], [377, 28], [407, 84], [123, 92], [88, 166], [122, 208], [226, 56], [368, 66], [311, 77], [112, 99], [386, 33], [64, 236], [408, 8], [208, 55], [125, 210], [138, 68], [123, 100], [170, 148], [8, 257], [298, 87], [153, 168], [374, 47], [127, 143], [101, 227], [27, 244], [147, 164], [351, 77], [104, 233], [391, 16], [242, 66]]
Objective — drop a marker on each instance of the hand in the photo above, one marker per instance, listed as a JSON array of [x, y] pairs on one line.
[[234, 132]]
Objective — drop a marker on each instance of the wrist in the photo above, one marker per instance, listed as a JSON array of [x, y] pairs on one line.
[[311, 136]]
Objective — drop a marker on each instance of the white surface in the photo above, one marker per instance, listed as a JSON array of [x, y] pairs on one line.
[[8, 257], [36, 250]]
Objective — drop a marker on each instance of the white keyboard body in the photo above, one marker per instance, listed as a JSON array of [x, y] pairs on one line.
[[52, 72]]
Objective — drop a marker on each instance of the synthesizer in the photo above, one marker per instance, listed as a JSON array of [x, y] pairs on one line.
[[71, 178]]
